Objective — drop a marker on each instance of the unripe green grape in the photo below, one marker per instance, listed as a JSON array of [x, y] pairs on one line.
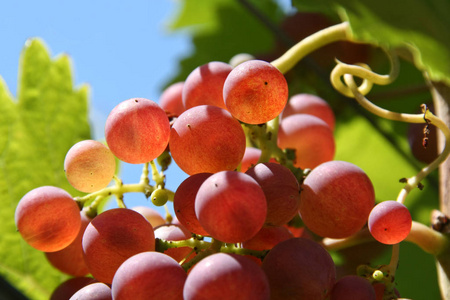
[[159, 197]]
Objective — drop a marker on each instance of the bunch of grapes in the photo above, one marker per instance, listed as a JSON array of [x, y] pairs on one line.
[[256, 160]]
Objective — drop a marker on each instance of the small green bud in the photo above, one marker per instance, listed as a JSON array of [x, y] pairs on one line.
[[159, 197]]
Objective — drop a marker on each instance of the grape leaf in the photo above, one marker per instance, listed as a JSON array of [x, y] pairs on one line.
[[35, 134], [221, 29], [421, 26]]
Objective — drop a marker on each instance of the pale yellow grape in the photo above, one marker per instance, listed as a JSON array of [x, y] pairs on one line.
[[89, 166]]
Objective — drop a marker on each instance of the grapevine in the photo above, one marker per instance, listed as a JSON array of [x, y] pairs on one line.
[[265, 225]]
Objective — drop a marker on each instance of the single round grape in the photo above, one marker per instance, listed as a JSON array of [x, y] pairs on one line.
[[137, 130], [97, 291], [336, 199], [174, 232], [89, 166], [207, 139], [48, 218], [171, 99], [311, 105], [299, 268], [255, 92], [152, 215], [229, 276], [281, 189], [231, 206], [159, 197], [70, 260], [310, 137], [204, 85], [390, 222], [352, 287], [112, 237], [149, 275], [184, 202]]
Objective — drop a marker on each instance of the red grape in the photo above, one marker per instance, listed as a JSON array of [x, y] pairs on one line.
[[311, 105], [255, 92], [229, 276], [97, 291], [390, 222], [352, 287], [204, 85], [48, 218], [299, 268], [207, 139], [137, 130], [231, 206], [184, 202], [89, 166], [336, 199], [171, 99], [310, 137], [149, 275], [70, 260], [281, 189], [112, 237], [69, 287]]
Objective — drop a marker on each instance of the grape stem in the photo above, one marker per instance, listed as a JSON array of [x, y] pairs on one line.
[[311, 43]]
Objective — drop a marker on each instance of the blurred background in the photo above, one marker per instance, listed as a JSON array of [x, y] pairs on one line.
[[135, 49]]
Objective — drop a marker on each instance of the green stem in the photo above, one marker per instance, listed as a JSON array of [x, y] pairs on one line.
[[311, 43]]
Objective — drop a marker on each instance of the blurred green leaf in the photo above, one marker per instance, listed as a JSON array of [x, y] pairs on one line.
[[421, 26], [221, 29], [35, 134]]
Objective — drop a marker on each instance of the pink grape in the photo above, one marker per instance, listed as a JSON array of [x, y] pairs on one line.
[[336, 199], [231, 206], [137, 130], [48, 218], [390, 222], [299, 268], [89, 166], [152, 215], [281, 189], [173, 232], [70, 260], [184, 202], [204, 85], [229, 276], [251, 157], [112, 237], [255, 92], [149, 275], [352, 287], [311, 105], [310, 137], [207, 139], [97, 291], [171, 99]]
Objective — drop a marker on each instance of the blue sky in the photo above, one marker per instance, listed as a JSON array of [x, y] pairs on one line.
[[122, 49]]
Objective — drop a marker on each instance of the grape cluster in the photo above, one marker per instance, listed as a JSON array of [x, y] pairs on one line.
[[256, 160]]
